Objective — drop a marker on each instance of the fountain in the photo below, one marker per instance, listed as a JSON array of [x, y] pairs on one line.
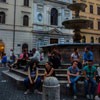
[[77, 23]]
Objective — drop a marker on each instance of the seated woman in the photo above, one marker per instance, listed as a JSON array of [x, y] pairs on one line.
[[49, 70], [76, 56], [22, 60], [33, 80]]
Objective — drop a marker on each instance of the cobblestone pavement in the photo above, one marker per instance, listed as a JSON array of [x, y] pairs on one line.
[[8, 91]]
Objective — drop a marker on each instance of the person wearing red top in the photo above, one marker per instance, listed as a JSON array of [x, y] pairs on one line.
[[22, 60]]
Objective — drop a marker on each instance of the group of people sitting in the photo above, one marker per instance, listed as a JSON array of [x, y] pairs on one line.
[[24, 58], [73, 74], [88, 71], [34, 81]]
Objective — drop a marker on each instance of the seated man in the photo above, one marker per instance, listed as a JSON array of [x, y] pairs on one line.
[[89, 72], [73, 76]]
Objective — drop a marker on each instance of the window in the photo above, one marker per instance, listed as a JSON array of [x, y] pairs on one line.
[[26, 2], [99, 40], [98, 10], [2, 17], [25, 20], [83, 39], [92, 39], [91, 25], [98, 25], [91, 8], [54, 16], [2, 0]]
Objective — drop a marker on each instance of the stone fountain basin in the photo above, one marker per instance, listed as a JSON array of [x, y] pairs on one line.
[[77, 23], [77, 6]]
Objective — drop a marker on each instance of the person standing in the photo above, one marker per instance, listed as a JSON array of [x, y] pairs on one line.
[[76, 56], [55, 58], [4, 59], [73, 76], [87, 55], [89, 72]]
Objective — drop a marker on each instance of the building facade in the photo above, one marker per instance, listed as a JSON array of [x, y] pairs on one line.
[[32, 23], [15, 25], [47, 23], [92, 11]]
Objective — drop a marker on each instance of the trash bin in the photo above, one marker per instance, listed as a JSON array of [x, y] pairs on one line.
[[51, 89]]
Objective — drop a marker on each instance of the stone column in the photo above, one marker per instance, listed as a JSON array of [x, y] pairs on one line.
[[51, 89]]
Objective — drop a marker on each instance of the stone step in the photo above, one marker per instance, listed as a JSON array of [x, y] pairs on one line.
[[19, 72], [13, 75], [25, 74], [63, 66], [16, 79]]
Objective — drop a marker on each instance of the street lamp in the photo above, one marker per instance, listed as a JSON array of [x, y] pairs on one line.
[[14, 24]]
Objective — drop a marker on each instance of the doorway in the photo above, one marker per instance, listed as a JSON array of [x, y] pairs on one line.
[[53, 41]]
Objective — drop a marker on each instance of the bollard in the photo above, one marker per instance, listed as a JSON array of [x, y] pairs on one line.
[[51, 89]]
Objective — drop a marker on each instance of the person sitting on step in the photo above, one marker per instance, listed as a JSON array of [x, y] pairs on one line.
[[22, 60], [73, 76], [49, 70], [89, 72], [33, 80]]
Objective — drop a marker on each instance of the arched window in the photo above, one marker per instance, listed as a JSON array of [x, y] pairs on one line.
[[54, 16], [26, 2], [92, 39], [2, 17], [25, 20], [99, 40], [83, 39]]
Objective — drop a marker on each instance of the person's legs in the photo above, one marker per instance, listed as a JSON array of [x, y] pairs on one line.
[[74, 88], [73, 80], [86, 86], [73, 83], [26, 82], [38, 83], [93, 87], [27, 85]]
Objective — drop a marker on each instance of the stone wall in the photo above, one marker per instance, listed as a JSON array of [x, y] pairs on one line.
[[67, 49]]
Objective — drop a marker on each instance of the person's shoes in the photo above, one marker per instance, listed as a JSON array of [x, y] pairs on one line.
[[91, 96], [68, 85], [38, 92], [88, 97], [75, 97], [27, 92]]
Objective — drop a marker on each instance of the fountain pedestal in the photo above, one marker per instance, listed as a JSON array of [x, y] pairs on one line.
[[77, 23]]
